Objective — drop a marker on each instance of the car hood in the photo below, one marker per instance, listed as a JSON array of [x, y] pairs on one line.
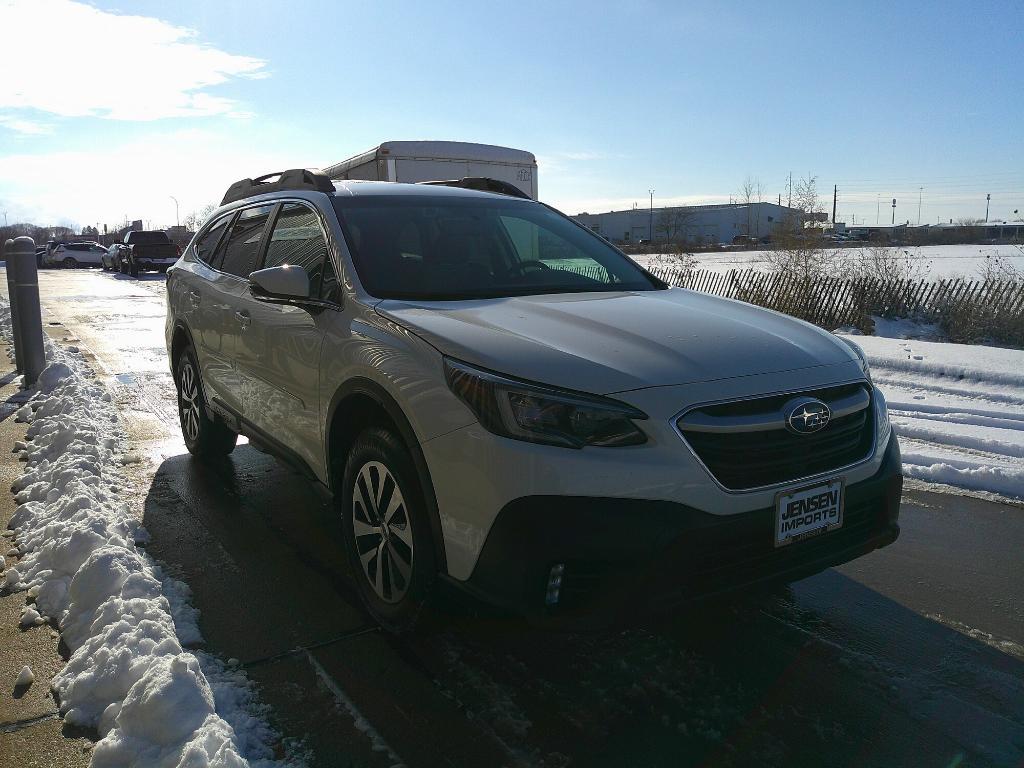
[[614, 342]]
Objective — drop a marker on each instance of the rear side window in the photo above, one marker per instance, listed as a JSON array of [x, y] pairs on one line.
[[298, 240], [240, 253], [206, 245]]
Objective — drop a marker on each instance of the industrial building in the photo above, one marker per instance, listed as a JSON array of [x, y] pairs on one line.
[[690, 224]]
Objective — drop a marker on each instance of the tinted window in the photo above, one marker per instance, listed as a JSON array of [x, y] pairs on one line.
[[241, 250], [298, 240], [207, 243], [458, 248], [147, 238]]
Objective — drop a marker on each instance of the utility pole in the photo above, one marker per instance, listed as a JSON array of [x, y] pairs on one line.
[[780, 199], [650, 233], [177, 220], [835, 196], [894, 212], [987, 199], [5, 218], [789, 200], [920, 191], [878, 208]]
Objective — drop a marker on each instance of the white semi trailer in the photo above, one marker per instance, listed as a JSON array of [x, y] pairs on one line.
[[414, 161]]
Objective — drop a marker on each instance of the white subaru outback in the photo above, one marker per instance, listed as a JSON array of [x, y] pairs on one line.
[[501, 400]]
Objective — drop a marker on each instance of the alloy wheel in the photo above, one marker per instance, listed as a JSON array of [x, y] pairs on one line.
[[382, 531], [188, 390]]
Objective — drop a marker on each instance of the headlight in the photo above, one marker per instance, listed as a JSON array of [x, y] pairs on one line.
[[860, 355], [883, 428], [538, 414]]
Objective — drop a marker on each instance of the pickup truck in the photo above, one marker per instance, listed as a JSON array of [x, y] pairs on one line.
[[148, 251]]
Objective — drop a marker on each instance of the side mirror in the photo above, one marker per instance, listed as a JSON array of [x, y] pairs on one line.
[[287, 282]]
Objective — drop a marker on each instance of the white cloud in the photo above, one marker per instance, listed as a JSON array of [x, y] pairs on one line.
[[70, 59], [134, 179], [27, 127]]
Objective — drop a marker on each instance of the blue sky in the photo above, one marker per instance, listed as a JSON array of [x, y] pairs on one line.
[[132, 102]]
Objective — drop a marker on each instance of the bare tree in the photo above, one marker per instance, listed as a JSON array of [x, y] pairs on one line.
[[886, 264], [195, 220], [799, 248], [672, 223], [751, 192]]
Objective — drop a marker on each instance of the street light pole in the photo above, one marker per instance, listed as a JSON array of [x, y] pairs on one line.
[[894, 212], [920, 192], [987, 199], [650, 232], [177, 221], [878, 208]]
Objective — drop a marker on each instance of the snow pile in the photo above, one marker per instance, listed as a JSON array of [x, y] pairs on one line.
[[958, 409], [128, 676]]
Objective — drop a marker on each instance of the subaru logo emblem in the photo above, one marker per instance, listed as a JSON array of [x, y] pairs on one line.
[[807, 416]]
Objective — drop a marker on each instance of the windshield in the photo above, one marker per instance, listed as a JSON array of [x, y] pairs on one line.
[[448, 248]]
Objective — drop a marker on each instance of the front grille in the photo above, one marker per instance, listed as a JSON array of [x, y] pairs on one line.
[[741, 459]]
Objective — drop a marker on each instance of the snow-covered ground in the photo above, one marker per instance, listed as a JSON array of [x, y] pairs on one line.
[[958, 409], [128, 625], [936, 261]]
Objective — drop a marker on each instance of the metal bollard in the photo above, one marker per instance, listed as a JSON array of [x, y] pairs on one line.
[[22, 254], [19, 356]]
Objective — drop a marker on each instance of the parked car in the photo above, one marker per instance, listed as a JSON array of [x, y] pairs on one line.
[[746, 240], [148, 251], [502, 401], [40, 254], [113, 257], [71, 255]]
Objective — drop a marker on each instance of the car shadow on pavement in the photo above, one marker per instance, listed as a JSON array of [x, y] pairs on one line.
[[826, 672], [146, 277]]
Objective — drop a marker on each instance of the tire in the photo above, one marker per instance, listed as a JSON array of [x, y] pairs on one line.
[[122, 268], [133, 268], [379, 465], [204, 437], [69, 263]]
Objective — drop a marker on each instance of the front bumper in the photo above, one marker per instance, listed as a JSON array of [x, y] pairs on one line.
[[653, 555]]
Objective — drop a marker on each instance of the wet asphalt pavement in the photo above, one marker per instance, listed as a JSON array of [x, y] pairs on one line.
[[912, 655]]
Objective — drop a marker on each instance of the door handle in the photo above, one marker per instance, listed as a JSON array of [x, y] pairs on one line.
[[243, 318]]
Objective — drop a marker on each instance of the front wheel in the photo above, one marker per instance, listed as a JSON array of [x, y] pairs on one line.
[[204, 437], [386, 529], [133, 269], [69, 263]]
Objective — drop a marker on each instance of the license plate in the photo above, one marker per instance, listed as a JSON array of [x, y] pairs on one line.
[[808, 511]]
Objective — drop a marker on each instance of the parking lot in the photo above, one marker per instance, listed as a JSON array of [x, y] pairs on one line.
[[912, 655]]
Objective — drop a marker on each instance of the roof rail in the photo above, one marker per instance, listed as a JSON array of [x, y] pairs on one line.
[[483, 184], [296, 178]]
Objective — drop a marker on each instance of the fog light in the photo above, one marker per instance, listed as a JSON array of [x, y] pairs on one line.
[[555, 584]]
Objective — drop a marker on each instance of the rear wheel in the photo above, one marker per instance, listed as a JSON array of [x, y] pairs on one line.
[[133, 268], [386, 529], [204, 436], [69, 263]]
